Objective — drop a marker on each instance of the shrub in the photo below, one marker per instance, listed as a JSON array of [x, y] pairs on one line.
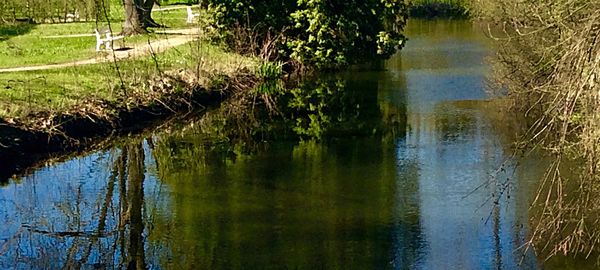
[[322, 34]]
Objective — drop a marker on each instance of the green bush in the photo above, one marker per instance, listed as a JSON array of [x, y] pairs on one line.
[[322, 34], [439, 9]]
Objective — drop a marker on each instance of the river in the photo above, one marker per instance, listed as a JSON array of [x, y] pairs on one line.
[[414, 171]]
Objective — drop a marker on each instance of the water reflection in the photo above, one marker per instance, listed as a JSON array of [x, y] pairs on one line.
[[304, 205], [396, 181], [82, 214]]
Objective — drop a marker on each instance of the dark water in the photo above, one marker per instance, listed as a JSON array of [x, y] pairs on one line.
[[410, 174]]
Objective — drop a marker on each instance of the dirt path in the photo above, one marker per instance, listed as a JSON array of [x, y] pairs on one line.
[[173, 38]]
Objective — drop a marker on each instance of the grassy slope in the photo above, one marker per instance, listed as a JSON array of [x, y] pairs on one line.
[[23, 94]]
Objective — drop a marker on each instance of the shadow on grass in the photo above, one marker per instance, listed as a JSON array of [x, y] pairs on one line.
[[15, 29]]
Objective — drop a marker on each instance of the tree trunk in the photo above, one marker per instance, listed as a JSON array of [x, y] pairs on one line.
[[133, 25], [146, 14]]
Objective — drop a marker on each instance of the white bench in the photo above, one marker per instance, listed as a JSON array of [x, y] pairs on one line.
[[106, 41], [191, 15]]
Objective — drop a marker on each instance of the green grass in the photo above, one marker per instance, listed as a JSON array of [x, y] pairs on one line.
[[23, 94], [61, 90], [173, 18], [25, 45]]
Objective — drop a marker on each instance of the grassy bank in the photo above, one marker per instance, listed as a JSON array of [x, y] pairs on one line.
[[549, 60], [26, 95], [439, 9], [63, 109], [31, 98], [51, 112]]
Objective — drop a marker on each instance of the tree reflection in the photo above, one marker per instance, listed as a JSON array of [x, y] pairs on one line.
[[342, 107], [93, 223], [135, 192], [334, 209], [327, 201], [302, 204]]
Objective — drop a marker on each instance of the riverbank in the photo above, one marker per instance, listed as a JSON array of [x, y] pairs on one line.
[[22, 147], [549, 63], [61, 84], [77, 103], [60, 110]]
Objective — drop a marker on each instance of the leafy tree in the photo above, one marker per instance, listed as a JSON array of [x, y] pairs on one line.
[[322, 34], [334, 33]]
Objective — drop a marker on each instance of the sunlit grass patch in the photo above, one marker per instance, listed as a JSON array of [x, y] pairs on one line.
[[40, 44], [59, 90]]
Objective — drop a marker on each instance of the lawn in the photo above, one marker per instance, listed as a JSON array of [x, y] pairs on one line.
[[24, 93], [62, 90], [26, 45]]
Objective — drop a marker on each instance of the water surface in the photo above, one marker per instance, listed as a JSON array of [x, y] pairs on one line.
[[410, 174]]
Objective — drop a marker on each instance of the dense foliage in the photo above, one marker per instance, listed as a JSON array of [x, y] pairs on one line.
[[323, 34], [439, 8]]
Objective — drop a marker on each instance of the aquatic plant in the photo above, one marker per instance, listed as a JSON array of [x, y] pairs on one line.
[[270, 70]]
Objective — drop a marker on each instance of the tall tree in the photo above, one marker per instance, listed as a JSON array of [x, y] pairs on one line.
[[147, 13], [138, 16]]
